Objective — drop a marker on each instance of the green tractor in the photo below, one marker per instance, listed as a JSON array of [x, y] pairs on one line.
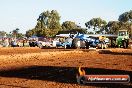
[[123, 39]]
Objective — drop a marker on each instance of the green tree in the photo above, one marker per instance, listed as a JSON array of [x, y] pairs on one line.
[[126, 17], [113, 27], [126, 20], [97, 24], [15, 32], [48, 23], [2, 33], [68, 25], [29, 33]]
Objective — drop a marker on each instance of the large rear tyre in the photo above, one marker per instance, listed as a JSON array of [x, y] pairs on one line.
[[87, 45], [124, 45], [83, 44], [75, 43], [127, 43]]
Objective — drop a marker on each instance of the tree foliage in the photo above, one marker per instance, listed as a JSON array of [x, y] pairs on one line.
[[126, 20], [126, 17], [15, 33], [113, 27], [47, 24], [68, 25], [97, 24], [2, 33]]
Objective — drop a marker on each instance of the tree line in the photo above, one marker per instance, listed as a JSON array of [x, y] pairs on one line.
[[48, 25], [101, 26], [14, 33]]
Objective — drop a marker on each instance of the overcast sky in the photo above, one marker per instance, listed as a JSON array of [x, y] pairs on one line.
[[23, 14]]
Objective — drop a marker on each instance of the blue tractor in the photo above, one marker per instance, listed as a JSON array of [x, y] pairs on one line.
[[76, 41]]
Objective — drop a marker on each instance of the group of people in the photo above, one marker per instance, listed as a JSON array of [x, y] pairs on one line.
[[6, 42]]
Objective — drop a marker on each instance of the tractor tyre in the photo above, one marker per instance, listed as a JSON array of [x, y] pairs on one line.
[[87, 44], [82, 44], [127, 43], [75, 43], [124, 45]]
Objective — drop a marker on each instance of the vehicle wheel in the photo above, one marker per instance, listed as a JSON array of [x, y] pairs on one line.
[[82, 44], [75, 43], [127, 43], [68, 47], [41, 46], [87, 45], [124, 44]]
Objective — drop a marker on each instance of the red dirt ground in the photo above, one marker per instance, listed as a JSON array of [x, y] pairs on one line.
[[57, 68]]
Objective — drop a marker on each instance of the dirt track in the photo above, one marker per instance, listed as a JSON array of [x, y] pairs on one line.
[[51, 68]]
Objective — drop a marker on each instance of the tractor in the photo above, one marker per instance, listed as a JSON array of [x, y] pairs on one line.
[[122, 39], [76, 41]]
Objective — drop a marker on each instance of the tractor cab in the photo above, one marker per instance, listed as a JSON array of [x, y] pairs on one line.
[[123, 34]]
